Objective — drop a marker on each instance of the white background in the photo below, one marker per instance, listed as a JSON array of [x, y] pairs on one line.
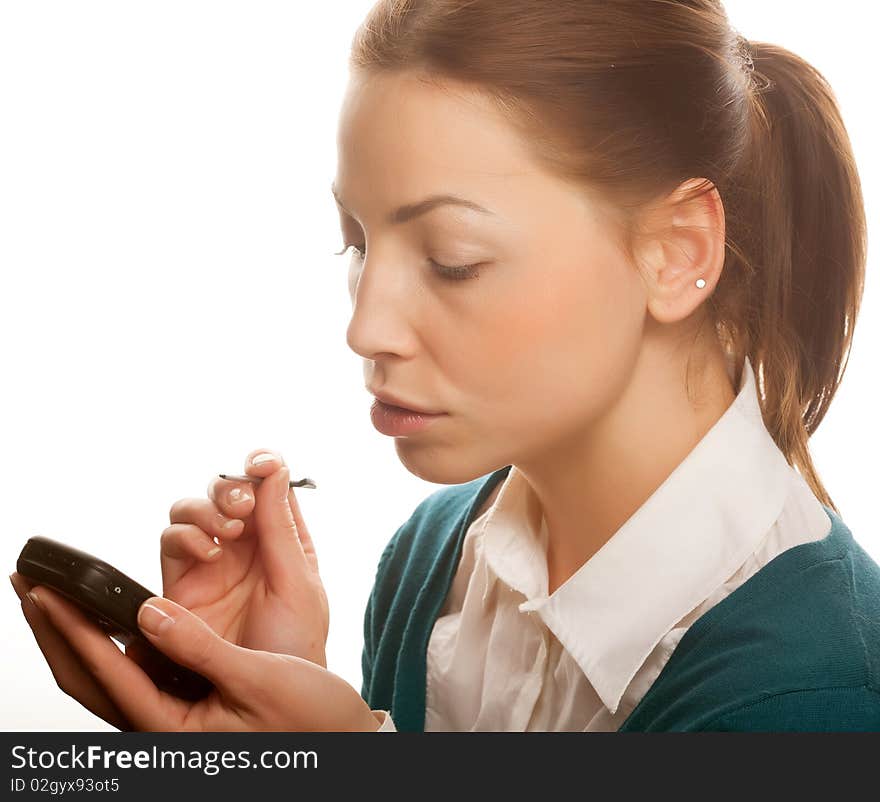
[[170, 300]]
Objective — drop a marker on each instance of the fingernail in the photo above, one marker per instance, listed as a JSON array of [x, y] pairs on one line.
[[35, 600], [263, 456], [153, 620], [237, 495], [212, 552], [229, 524]]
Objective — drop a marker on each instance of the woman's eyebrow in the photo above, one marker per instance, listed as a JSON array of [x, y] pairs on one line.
[[411, 210]]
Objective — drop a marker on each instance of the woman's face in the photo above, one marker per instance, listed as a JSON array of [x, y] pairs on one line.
[[525, 356]]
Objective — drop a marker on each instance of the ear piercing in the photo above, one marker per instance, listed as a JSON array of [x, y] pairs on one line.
[[700, 282]]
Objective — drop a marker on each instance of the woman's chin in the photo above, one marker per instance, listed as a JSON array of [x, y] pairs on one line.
[[444, 464]]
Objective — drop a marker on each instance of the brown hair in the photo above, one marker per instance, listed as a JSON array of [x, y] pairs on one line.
[[631, 98]]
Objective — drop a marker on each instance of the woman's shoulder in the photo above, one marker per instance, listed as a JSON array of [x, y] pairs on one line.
[[821, 589], [800, 637]]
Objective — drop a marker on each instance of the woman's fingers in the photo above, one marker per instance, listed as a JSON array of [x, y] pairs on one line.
[[269, 511], [232, 498], [206, 515], [69, 672], [190, 538], [190, 642], [284, 538], [128, 687], [305, 538], [281, 528], [180, 547]]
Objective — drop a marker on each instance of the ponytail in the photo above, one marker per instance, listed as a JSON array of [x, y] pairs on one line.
[[801, 227]]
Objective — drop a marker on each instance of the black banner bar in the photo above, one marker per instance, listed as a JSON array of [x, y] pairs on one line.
[[134, 766]]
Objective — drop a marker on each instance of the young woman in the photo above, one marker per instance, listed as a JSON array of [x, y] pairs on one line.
[[609, 256]]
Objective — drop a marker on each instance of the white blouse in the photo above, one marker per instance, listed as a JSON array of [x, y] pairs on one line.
[[506, 656]]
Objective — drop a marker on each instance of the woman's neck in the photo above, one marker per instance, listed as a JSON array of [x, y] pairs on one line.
[[589, 486]]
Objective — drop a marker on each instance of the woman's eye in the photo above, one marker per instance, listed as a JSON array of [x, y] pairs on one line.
[[457, 273]]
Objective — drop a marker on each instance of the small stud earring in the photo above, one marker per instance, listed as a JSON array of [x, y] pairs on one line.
[[701, 282]]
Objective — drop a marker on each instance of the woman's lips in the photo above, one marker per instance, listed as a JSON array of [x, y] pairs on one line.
[[398, 421]]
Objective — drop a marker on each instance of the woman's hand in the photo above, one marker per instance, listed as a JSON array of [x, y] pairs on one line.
[[254, 689], [262, 590]]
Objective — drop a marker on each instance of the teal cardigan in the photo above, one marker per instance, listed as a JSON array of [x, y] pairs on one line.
[[796, 647]]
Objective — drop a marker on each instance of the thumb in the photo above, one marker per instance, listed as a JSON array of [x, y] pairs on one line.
[[277, 530], [190, 642]]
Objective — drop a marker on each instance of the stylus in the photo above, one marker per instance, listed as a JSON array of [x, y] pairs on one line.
[[257, 479]]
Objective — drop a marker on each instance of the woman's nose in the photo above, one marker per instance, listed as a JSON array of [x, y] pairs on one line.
[[382, 314]]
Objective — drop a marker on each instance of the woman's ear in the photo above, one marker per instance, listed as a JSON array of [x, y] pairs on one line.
[[686, 244]]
